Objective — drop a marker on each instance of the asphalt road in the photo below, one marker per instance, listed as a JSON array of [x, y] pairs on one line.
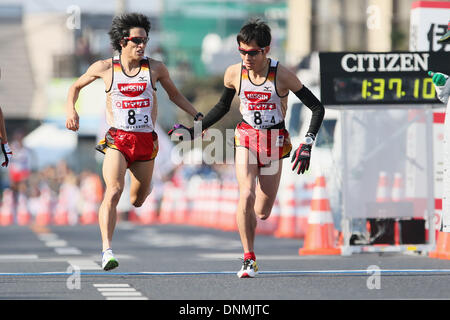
[[179, 263]]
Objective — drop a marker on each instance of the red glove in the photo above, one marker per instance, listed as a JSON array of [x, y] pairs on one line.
[[302, 155], [180, 131]]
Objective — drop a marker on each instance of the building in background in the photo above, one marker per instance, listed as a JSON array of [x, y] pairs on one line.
[[17, 84], [346, 25], [199, 36]]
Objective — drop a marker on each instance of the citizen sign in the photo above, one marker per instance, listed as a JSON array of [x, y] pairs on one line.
[[384, 62]]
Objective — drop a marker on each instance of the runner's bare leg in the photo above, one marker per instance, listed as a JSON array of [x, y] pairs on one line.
[[267, 188], [141, 173], [246, 172], [114, 168]]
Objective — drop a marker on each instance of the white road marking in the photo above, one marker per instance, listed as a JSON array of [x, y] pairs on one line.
[[47, 236], [18, 256], [83, 264], [121, 291], [51, 240], [116, 289], [113, 285], [68, 251], [121, 294], [127, 298], [56, 243], [154, 238]]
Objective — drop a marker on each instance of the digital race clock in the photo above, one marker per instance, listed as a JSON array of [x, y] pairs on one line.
[[380, 78]]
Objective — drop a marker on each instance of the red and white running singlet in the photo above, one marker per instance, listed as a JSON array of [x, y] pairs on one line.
[[130, 101], [261, 106]]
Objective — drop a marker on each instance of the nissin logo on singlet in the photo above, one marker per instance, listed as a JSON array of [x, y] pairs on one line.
[[256, 97], [132, 89]]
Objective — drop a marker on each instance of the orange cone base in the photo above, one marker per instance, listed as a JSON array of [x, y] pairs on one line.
[[319, 251], [444, 256], [90, 219], [442, 247]]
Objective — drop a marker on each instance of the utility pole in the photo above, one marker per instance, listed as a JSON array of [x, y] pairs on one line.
[[299, 30], [121, 6], [379, 25]]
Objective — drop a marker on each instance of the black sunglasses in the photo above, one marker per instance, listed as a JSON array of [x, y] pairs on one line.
[[251, 53], [137, 40]]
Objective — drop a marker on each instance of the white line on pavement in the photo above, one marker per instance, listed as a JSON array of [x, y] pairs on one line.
[[116, 289], [122, 291], [85, 264], [127, 298], [113, 285], [121, 294], [18, 256], [56, 243], [68, 251]]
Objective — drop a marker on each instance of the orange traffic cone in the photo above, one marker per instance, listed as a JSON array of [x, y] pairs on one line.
[[443, 241], [286, 225], [7, 208], [228, 205], [91, 192], [44, 214], [61, 216], [442, 247], [397, 196], [133, 216], [23, 213], [181, 206], [89, 213], [319, 239], [213, 204], [148, 212], [195, 204], [167, 204], [398, 188], [201, 218], [302, 206], [383, 188]]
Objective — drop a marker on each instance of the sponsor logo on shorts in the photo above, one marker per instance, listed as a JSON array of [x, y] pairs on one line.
[[132, 89], [280, 141], [256, 97], [132, 104], [261, 106]]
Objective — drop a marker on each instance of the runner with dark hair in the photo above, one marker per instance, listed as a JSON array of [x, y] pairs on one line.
[[261, 139], [131, 111]]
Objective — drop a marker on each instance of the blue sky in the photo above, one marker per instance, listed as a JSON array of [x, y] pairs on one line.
[[104, 6]]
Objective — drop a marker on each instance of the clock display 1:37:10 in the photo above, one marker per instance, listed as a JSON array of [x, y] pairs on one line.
[[375, 88]]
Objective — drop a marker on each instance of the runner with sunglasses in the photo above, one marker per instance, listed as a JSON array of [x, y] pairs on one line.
[[131, 110], [261, 139]]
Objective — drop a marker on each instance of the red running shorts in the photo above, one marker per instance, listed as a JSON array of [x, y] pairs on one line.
[[267, 144], [135, 146]]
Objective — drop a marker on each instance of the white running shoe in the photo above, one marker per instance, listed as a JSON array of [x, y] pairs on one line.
[[109, 262], [249, 269]]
